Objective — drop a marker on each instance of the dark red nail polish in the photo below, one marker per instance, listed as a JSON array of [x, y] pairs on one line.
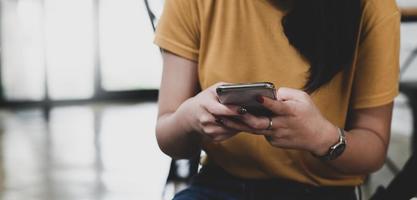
[[260, 99]]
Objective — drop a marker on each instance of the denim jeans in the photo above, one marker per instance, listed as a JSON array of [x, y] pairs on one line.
[[213, 183]]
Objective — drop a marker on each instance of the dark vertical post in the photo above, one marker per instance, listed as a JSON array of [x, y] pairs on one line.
[[98, 89], [152, 16], [46, 109], [47, 100], [98, 92], [2, 96], [413, 105]]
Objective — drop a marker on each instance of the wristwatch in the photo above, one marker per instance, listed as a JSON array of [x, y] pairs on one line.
[[337, 149]]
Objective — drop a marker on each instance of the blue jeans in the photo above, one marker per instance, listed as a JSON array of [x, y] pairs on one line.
[[213, 183]]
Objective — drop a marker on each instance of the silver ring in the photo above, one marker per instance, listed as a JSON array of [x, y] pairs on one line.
[[270, 124], [242, 110]]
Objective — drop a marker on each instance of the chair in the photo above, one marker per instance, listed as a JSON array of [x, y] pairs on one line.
[[403, 184]]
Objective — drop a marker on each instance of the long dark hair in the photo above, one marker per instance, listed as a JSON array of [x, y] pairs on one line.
[[325, 33]]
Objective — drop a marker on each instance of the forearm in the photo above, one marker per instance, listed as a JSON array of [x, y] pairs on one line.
[[175, 138], [365, 153], [299, 124]]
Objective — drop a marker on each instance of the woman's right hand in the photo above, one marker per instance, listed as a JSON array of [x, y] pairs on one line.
[[202, 113]]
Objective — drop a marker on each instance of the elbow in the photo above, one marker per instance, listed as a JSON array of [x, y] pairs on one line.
[[160, 140], [363, 169], [367, 164], [377, 158], [377, 163], [165, 144], [373, 164]]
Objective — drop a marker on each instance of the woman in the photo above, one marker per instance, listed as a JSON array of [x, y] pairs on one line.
[[336, 66]]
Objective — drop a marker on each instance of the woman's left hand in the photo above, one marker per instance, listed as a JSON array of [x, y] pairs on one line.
[[297, 123]]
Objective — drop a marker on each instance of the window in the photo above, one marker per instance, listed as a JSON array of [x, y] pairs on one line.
[[128, 58], [69, 48], [23, 55], [58, 43]]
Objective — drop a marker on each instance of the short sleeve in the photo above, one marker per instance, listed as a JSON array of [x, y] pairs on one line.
[[178, 28], [376, 79]]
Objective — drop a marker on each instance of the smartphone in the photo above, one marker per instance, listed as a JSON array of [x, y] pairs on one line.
[[244, 94]]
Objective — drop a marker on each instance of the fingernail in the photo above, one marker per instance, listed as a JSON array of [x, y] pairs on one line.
[[219, 121], [260, 99], [242, 111]]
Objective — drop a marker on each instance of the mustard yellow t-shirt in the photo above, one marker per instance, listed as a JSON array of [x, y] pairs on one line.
[[243, 41]]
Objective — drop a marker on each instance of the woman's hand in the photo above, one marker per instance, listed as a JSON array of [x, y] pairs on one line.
[[297, 123], [202, 114], [187, 115]]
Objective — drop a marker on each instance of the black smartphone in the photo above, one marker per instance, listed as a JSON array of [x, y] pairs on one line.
[[244, 94]]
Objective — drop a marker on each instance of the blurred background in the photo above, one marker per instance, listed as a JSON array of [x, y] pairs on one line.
[[78, 90]]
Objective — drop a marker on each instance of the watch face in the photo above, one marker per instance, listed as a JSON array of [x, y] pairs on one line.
[[338, 150]]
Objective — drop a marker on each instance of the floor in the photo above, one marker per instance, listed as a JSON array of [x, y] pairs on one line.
[[108, 151], [92, 152]]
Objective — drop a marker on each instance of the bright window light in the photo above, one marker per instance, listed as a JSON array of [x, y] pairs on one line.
[[70, 48], [129, 59], [22, 50], [58, 38]]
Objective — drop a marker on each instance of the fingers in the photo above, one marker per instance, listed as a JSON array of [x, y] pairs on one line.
[[213, 106], [278, 107], [255, 123], [264, 125], [213, 87], [207, 119], [285, 94], [213, 129], [287, 101], [233, 124], [219, 109], [218, 133]]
